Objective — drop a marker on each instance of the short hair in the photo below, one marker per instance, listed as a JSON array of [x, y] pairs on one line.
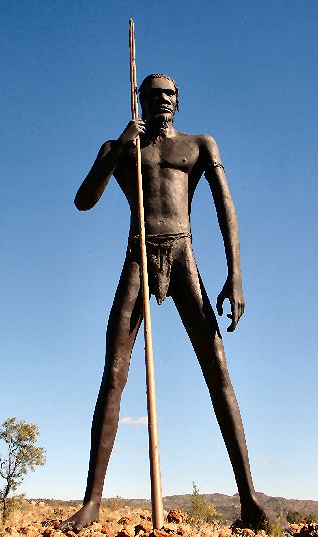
[[146, 81]]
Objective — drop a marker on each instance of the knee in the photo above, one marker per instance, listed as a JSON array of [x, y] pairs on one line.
[[218, 348], [215, 368]]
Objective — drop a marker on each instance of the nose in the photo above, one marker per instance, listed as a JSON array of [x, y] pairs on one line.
[[164, 97]]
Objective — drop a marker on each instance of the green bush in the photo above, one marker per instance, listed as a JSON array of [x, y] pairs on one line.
[[201, 511], [294, 517], [274, 529], [311, 518], [115, 503]]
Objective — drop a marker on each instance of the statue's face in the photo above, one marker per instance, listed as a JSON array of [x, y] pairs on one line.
[[159, 99]]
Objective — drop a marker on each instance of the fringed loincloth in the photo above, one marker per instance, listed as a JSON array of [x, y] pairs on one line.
[[160, 257]]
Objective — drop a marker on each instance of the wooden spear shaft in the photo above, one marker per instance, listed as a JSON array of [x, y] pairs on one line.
[[154, 456]]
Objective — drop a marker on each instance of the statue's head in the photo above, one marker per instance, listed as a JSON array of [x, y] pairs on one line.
[[158, 96]]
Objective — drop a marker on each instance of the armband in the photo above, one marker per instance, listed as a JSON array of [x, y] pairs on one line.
[[216, 164]]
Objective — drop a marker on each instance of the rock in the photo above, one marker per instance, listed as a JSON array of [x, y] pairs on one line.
[[96, 526], [48, 532], [176, 516], [127, 531], [142, 528], [124, 520], [109, 529], [239, 528], [309, 530], [145, 516], [105, 528], [160, 533], [224, 532], [246, 532], [30, 531], [10, 531], [50, 523]]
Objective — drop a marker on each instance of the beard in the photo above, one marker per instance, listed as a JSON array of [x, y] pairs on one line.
[[156, 128], [163, 124]]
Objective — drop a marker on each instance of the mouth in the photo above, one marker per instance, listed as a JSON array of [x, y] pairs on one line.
[[165, 110]]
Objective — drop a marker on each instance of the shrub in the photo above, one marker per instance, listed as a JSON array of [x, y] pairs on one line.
[[201, 511]]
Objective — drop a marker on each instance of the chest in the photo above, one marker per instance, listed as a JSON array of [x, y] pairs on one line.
[[165, 154]]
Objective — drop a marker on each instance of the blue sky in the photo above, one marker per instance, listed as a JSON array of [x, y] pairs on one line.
[[246, 75]]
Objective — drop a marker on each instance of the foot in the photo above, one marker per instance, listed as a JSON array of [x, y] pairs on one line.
[[86, 515], [254, 516]]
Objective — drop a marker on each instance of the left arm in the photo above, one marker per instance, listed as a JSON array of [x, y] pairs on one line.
[[227, 218]]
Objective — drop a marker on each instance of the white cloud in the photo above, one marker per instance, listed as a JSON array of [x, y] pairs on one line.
[[118, 448], [268, 461], [143, 420], [142, 450]]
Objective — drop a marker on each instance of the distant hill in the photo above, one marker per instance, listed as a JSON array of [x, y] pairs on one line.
[[227, 506]]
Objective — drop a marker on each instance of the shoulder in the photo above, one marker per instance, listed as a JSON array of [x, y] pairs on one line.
[[204, 141], [207, 143], [107, 145], [208, 148], [104, 149]]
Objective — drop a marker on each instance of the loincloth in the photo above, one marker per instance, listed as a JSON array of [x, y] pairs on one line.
[[161, 251]]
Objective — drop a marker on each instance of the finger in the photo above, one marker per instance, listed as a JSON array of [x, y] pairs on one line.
[[234, 316], [232, 326], [240, 310], [219, 304]]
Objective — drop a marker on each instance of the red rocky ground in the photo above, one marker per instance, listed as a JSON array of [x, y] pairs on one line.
[[40, 520]]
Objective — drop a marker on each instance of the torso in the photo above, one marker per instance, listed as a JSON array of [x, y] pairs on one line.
[[171, 170]]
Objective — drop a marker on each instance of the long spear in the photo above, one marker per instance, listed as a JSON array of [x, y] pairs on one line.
[[154, 456]]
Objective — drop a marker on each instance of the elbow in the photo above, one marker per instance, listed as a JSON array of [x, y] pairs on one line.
[[82, 205]]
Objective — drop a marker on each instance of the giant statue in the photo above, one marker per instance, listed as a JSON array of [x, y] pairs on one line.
[[172, 165]]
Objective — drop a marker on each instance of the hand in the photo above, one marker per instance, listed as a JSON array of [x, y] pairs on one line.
[[134, 128], [234, 292]]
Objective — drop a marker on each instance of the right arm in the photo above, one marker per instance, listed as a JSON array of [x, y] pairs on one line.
[[104, 166]]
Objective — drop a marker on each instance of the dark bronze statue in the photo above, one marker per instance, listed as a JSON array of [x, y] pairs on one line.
[[172, 165]]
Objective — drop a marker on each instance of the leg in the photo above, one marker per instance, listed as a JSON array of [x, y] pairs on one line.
[[199, 320], [123, 325]]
